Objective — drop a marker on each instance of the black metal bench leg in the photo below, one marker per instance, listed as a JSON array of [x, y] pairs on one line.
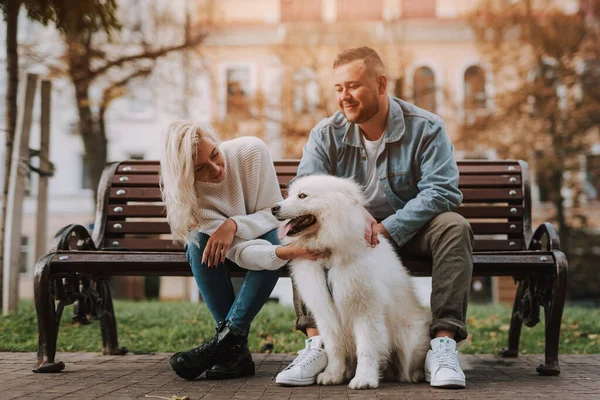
[[553, 310], [48, 318], [108, 322], [514, 333]]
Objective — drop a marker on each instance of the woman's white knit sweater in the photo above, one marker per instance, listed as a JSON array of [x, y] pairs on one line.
[[246, 195]]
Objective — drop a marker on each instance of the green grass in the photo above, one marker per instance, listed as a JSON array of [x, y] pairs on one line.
[[167, 327]]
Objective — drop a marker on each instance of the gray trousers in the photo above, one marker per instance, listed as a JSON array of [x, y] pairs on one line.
[[448, 241]]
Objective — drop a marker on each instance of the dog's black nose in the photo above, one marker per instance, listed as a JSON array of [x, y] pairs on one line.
[[275, 209]]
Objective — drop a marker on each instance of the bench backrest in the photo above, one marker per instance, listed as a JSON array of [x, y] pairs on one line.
[[131, 216]]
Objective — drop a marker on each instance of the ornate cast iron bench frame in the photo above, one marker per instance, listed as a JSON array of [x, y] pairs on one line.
[[131, 237]]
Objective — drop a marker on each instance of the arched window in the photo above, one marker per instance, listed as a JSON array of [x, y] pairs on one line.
[[475, 96], [424, 89]]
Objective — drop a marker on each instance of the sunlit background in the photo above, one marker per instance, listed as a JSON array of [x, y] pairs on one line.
[[511, 78]]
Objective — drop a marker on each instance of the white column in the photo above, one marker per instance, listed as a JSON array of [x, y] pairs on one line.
[[16, 195]]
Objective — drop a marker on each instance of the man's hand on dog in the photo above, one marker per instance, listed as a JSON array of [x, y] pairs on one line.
[[371, 230], [292, 251], [219, 243]]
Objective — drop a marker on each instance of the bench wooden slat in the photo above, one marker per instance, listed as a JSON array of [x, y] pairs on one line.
[[497, 245], [127, 180], [138, 227], [470, 195], [162, 245], [480, 212], [291, 168], [139, 211], [467, 211], [491, 195], [488, 169], [135, 194], [295, 162], [159, 245], [150, 168], [156, 227], [123, 180], [490, 228], [111, 263]]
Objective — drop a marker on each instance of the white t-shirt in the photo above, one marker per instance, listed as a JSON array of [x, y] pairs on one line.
[[376, 202]]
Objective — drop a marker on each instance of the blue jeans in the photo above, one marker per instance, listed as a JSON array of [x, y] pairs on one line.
[[217, 290]]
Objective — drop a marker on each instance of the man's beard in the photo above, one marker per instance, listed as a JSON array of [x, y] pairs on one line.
[[365, 114]]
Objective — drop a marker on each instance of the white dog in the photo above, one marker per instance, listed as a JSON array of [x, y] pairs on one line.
[[366, 309]]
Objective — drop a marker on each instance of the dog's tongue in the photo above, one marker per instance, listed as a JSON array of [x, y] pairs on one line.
[[283, 231]]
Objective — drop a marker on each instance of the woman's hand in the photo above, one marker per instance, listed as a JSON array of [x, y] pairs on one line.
[[371, 230], [292, 251], [219, 243]]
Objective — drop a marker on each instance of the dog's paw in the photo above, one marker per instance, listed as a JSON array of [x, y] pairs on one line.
[[364, 382], [330, 378]]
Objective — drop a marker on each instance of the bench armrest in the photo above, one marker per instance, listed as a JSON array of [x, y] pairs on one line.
[[545, 238], [72, 237]]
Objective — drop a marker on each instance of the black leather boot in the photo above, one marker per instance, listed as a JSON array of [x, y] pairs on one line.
[[192, 363], [238, 363]]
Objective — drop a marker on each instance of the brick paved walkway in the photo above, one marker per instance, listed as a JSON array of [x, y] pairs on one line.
[[92, 376]]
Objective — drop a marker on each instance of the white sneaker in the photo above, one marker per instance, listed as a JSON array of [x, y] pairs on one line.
[[441, 365], [303, 371]]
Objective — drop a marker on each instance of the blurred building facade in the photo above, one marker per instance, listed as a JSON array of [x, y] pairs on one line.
[[264, 69]]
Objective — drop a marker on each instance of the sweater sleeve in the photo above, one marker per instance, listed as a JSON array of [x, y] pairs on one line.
[[261, 221], [257, 254]]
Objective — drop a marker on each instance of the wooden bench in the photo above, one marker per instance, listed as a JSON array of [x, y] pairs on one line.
[[131, 237]]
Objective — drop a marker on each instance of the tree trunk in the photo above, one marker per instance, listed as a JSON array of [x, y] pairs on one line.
[[12, 74], [94, 139]]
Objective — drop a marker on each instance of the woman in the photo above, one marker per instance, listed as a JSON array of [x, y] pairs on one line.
[[218, 198]]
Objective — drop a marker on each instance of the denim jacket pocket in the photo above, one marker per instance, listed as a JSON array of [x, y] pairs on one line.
[[403, 185]]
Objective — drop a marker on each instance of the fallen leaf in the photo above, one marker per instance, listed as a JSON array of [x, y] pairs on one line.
[[593, 336], [174, 397], [504, 328]]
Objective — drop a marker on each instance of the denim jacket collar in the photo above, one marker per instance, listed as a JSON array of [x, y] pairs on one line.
[[395, 126]]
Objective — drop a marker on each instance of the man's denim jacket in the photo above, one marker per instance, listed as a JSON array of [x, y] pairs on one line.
[[416, 167]]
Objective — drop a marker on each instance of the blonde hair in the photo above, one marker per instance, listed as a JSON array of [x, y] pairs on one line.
[[178, 187]]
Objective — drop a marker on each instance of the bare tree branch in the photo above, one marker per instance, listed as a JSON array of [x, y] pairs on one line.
[[147, 55]]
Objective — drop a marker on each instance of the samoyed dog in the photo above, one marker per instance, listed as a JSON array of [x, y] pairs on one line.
[[366, 310]]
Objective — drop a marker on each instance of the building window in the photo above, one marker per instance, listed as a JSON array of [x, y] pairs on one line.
[[301, 10], [24, 257], [418, 8], [238, 91], [424, 89], [359, 10], [86, 182], [475, 96], [306, 91]]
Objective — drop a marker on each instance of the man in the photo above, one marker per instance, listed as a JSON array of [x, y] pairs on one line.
[[404, 158]]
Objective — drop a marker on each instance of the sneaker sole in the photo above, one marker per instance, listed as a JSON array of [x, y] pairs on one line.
[[295, 382], [448, 384]]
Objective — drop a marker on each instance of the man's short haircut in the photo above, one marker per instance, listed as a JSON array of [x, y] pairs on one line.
[[370, 57]]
